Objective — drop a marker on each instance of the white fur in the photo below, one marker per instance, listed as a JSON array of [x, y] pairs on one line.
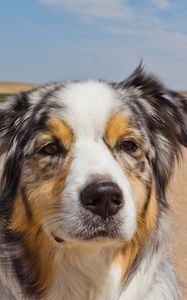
[[87, 107], [83, 273]]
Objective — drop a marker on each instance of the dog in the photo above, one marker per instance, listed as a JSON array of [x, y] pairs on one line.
[[84, 170]]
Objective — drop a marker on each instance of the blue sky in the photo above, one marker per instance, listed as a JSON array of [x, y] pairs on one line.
[[49, 40]]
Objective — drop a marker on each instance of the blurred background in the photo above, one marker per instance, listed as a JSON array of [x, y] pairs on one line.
[[54, 40], [43, 40]]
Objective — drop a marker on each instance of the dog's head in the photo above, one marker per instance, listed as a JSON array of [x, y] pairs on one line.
[[89, 161]]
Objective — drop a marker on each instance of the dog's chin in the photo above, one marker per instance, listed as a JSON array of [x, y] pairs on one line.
[[89, 243], [98, 236], [102, 231]]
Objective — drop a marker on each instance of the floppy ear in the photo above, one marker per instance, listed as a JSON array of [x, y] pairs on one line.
[[12, 120], [164, 114], [169, 107], [180, 116], [19, 122], [169, 132]]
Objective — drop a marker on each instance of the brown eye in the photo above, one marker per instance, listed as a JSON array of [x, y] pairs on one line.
[[50, 149], [128, 145]]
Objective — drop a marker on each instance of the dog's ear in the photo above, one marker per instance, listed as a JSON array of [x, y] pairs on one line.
[[163, 114], [169, 108], [12, 120]]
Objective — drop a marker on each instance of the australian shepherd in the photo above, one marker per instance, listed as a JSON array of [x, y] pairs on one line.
[[84, 167]]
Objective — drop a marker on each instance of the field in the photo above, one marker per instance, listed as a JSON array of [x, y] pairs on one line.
[[8, 88], [176, 195], [3, 97], [14, 87]]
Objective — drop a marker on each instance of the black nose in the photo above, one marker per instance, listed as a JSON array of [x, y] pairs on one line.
[[102, 198]]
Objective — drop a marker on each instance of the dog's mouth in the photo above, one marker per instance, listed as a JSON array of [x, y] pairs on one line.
[[98, 235], [95, 229], [98, 228], [95, 234], [100, 232]]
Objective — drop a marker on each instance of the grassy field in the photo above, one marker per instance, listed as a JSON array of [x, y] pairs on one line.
[[3, 97]]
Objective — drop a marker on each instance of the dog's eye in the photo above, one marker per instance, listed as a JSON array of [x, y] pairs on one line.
[[128, 145], [50, 149]]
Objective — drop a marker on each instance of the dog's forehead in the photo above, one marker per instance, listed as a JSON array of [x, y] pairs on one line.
[[87, 106]]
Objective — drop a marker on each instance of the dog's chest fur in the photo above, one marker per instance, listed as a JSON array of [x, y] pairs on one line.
[[86, 276], [96, 280]]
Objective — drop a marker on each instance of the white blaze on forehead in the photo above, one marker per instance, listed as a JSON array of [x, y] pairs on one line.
[[87, 106]]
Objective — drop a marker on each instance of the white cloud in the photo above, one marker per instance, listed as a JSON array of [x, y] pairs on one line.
[[98, 9], [161, 4]]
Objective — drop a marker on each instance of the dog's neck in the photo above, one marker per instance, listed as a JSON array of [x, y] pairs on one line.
[[93, 273], [75, 272], [65, 271], [86, 273]]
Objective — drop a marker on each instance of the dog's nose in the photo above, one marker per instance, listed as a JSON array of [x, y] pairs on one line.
[[102, 198]]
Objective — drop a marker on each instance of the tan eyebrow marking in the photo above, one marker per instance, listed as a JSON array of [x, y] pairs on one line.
[[117, 127], [61, 131], [57, 129]]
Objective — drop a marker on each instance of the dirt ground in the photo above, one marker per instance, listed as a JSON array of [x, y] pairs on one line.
[[177, 197], [14, 87]]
